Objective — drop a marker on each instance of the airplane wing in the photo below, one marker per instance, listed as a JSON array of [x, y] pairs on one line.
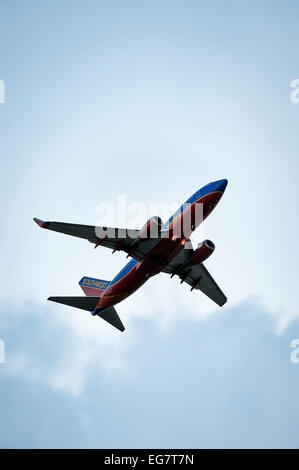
[[118, 239], [198, 277]]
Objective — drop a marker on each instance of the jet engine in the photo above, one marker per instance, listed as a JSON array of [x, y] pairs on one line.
[[202, 252]]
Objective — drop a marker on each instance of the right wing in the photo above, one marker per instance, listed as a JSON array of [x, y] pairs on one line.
[[118, 239], [198, 277]]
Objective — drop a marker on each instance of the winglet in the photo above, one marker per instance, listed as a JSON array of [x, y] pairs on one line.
[[41, 223]]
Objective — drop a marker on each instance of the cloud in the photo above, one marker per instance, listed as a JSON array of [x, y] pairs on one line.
[[62, 347], [223, 382], [46, 345]]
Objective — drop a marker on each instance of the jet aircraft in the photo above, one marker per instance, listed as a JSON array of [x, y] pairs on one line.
[[156, 248]]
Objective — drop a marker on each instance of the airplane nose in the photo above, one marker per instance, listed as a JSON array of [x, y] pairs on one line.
[[221, 185]]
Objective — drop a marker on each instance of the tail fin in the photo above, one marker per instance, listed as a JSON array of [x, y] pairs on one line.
[[93, 287], [89, 303]]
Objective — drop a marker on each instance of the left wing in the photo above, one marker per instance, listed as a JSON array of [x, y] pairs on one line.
[[198, 277], [118, 239]]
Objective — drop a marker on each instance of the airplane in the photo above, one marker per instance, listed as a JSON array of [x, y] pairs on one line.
[[156, 248]]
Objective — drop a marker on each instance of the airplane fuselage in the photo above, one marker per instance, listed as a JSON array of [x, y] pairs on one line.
[[136, 273]]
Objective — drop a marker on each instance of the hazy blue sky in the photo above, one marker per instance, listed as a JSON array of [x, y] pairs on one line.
[[149, 100]]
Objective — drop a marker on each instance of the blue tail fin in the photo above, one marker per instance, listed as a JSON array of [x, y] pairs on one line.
[[93, 287]]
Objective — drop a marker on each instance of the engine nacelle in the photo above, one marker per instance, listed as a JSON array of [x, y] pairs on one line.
[[152, 228], [203, 251]]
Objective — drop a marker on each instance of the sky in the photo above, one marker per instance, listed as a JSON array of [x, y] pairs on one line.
[[149, 101]]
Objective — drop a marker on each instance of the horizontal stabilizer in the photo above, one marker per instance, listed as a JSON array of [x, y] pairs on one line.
[[89, 303], [111, 316], [85, 303]]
